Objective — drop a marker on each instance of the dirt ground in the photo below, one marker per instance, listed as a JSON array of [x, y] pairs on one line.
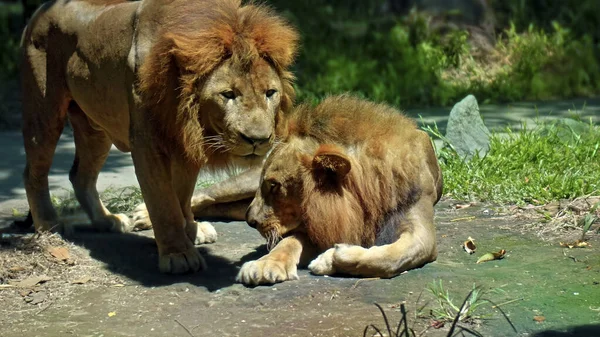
[[108, 285]]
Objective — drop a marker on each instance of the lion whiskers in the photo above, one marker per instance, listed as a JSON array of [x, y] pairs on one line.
[[215, 143], [273, 239]]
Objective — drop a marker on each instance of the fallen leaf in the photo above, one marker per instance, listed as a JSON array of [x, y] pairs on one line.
[[61, 253], [437, 324], [539, 319], [36, 298], [469, 245], [6, 286], [460, 206], [118, 285], [24, 293], [112, 313], [17, 269], [576, 244], [82, 280], [32, 281], [492, 256]]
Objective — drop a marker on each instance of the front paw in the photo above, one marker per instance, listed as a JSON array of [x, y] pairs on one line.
[[141, 218], [179, 263], [323, 264], [266, 271], [205, 233]]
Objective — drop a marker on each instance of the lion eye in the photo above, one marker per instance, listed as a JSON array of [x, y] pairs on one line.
[[229, 94], [273, 186], [270, 93]]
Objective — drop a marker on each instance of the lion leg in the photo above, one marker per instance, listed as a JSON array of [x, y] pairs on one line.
[[170, 217], [91, 150], [226, 200], [281, 264], [415, 247], [184, 181], [44, 114]]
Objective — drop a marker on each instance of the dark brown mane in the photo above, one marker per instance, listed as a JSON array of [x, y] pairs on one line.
[[195, 36], [376, 185]]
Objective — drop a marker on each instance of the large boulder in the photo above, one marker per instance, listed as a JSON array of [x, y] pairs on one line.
[[465, 131]]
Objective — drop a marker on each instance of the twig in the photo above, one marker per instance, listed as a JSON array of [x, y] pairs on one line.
[[507, 302], [465, 218], [43, 309], [184, 328], [363, 279]]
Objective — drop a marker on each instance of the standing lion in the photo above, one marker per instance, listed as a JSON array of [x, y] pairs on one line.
[[182, 84]]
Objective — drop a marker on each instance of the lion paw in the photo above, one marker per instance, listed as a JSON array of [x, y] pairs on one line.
[[179, 263], [267, 271], [116, 223], [206, 233], [141, 218], [323, 264]]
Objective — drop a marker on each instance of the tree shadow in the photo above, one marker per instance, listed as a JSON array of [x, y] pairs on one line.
[[591, 330], [135, 256]]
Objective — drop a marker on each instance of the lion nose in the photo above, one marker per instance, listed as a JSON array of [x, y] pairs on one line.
[[250, 219], [255, 141]]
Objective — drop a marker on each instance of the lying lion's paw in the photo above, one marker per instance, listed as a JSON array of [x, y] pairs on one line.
[[323, 264], [141, 218], [348, 255], [206, 233], [267, 271], [179, 263], [116, 223]]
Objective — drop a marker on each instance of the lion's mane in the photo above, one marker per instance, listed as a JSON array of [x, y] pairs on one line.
[[376, 190], [194, 38]]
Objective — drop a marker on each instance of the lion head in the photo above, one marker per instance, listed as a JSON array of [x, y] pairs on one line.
[[225, 67]]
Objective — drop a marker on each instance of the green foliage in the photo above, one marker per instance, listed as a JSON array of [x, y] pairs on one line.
[[407, 62], [556, 160], [448, 310], [9, 40]]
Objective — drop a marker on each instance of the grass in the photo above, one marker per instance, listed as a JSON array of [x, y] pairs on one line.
[[447, 311], [552, 161]]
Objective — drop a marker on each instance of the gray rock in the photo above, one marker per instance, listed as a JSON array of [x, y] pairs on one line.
[[465, 131]]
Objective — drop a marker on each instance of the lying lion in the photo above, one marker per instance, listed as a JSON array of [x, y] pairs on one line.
[[353, 180], [182, 84]]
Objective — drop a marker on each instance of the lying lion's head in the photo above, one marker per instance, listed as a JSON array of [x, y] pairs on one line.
[[224, 66]]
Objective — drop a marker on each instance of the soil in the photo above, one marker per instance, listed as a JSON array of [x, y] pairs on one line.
[[108, 285]]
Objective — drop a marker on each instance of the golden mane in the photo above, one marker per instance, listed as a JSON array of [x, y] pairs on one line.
[[373, 190], [195, 37]]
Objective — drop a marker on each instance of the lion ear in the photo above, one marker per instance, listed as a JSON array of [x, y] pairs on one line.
[[330, 163]]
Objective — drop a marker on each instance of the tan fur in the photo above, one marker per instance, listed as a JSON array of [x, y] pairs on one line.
[[182, 84], [349, 174]]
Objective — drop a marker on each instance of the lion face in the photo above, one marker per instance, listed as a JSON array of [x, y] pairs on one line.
[[242, 102], [276, 209], [291, 175]]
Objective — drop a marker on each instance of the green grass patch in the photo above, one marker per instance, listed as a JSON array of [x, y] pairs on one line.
[[555, 160]]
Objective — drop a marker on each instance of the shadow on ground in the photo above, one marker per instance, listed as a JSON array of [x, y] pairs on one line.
[[578, 331]]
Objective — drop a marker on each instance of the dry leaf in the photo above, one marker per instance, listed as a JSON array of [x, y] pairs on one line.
[[17, 269], [465, 218], [437, 324], [469, 245], [82, 280], [118, 285], [576, 244], [61, 253], [460, 206], [112, 313], [6, 286], [32, 281], [492, 256], [539, 319], [24, 293]]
